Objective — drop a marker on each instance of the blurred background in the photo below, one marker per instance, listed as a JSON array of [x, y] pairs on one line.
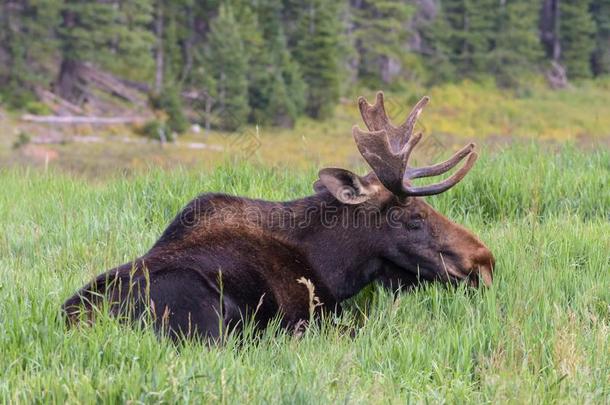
[[97, 86]]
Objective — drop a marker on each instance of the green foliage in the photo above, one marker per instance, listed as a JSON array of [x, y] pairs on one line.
[[227, 61], [37, 108], [437, 51], [478, 38], [316, 52], [517, 50], [600, 10], [472, 28], [171, 103], [538, 335], [179, 34], [22, 139], [275, 86], [269, 62], [157, 130], [381, 36], [133, 41], [287, 88], [87, 30], [24, 57], [113, 34], [578, 43], [16, 94]]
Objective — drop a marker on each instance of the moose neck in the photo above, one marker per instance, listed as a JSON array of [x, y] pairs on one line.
[[341, 249]]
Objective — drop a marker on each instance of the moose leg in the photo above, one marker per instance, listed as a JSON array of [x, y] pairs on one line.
[[184, 305]]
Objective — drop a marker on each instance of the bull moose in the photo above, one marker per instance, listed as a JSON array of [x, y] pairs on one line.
[[224, 258]]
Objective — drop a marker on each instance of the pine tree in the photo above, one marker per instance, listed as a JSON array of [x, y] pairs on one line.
[[287, 88], [517, 48], [102, 33], [600, 9], [25, 55], [258, 59], [436, 47], [86, 34], [285, 91], [226, 59], [275, 87], [576, 30], [316, 52], [133, 41], [472, 27], [381, 35]]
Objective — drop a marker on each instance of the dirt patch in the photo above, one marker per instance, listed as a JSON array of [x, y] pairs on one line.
[[39, 154]]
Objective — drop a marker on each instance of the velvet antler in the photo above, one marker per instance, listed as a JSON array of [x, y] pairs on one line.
[[387, 148]]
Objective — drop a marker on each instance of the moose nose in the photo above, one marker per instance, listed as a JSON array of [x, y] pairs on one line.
[[483, 264]]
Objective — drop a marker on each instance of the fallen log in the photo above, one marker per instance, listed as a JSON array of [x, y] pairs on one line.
[[56, 119], [58, 104], [46, 140]]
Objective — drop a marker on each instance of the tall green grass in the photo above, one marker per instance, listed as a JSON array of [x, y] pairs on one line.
[[540, 334]]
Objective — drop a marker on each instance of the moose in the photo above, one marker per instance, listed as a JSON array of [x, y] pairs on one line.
[[225, 259]]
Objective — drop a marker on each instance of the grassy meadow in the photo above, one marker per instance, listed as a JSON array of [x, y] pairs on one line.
[[458, 113], [540, 334]]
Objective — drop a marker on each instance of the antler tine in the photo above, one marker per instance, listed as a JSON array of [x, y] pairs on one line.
[[376, 119], [374, 115], [444, 185], [439, 168], [409, 123]]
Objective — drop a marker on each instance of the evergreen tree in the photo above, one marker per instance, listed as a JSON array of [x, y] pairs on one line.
[[94, 31], [576, 30], [381, 36], [287, 88], [316, 52], [600, 9], [227, 63], [273, 76], [258, 60], [291, 13], [86, 34], [25, 57], [285, 92], [473, 29], [133, 41], [436, 46], [517, 48]]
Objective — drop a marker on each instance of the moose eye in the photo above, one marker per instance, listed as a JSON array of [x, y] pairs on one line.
[[415, 221]]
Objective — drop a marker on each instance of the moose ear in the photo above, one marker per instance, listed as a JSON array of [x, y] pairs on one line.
[[345, 186]]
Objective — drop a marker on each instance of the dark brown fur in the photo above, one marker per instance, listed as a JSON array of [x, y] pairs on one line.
[[258, 259]]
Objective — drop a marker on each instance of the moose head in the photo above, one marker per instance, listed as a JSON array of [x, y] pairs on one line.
[[420, 241]]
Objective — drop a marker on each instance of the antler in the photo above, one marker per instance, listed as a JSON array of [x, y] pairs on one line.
[[387, 148]]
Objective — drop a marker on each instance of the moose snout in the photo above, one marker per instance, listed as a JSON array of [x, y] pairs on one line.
[[482, 267]]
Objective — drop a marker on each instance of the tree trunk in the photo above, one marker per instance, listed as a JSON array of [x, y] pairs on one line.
[[188, 48], [208, 112], [556, 33], [68, 85], [549, 28], [159, 49]]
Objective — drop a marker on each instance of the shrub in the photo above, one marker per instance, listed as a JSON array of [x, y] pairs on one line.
[[154, 129], [22, 140], [169, 101], [37, 108]]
